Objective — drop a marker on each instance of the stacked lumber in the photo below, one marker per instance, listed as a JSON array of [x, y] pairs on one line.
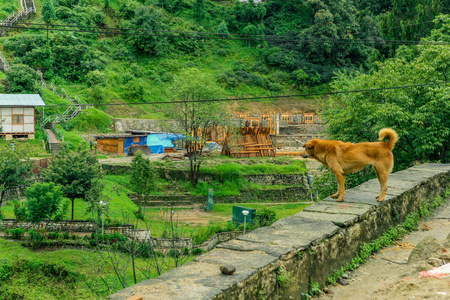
[[250, 142]]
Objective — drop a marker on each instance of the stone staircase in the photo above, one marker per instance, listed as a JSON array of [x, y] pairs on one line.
[[48, 124], [28, 7], [53, 135]]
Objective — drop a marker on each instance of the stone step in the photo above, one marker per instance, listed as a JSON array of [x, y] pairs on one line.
[[56, 147]]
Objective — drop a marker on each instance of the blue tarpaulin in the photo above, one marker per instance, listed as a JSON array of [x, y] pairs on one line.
[[129, 141], [158, 141]]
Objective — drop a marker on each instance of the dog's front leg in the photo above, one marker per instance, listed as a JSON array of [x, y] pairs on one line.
[[340, 177]]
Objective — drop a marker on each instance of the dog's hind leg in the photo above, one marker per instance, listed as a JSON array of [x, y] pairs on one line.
[[378, 177], [382, 176]]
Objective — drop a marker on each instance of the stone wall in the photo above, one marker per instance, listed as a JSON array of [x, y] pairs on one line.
[[64, 226], [69, 226], [287, 194], [310, 244]]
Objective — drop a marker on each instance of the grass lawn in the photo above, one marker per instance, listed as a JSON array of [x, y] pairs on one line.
[[88, 271]]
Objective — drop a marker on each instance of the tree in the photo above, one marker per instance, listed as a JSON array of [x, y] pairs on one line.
[[196, 117], [222, 29], [198, 9], [22, 79], [48, 13], [76, 172], [409, 20], [142, 179], [45, 202], [14, 171], [420, 115], [150, 18]]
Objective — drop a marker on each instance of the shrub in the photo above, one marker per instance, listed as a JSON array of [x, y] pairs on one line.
[[16, 233], [274, 86], [36, 239], [6, 269], [20, 212], [95, 78], [173, 253], [197, 251], [264, 217], [53, 235]]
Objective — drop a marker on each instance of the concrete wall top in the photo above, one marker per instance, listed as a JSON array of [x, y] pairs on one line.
[[310, 244]]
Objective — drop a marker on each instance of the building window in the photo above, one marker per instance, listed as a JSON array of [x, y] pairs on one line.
[[17, 119]]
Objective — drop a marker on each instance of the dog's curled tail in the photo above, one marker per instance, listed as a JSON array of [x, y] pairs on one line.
[[391, 136]]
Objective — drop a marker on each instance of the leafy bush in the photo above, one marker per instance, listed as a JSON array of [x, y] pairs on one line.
[[36, 239], [95, 77], [197, 251], [53, 235], [45, 202], [20, 211], [173, 253], [6, 269], [264, 217], [16, 233]]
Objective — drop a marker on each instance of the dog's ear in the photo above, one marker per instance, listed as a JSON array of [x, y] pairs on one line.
[[309, 145]]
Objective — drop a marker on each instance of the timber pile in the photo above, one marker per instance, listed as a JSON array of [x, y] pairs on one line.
[[251, 142]]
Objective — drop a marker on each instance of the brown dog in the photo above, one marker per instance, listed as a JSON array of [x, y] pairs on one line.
[[343, 158]]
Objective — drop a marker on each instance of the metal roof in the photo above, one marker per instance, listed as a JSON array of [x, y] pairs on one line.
[[19, 100]]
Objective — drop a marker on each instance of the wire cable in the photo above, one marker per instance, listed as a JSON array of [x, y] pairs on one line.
[[255, 98], [264, 39]]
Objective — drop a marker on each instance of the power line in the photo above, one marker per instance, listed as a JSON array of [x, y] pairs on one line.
[[263, 39], [256, 98]]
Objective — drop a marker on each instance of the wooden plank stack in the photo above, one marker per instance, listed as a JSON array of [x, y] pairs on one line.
[[250, 142]]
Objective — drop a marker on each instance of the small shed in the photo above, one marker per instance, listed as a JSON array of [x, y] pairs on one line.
[[17, 115], [119, 144]]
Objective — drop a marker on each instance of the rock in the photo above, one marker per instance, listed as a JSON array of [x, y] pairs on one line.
[[342, 281], [435, 262], [227, 269], [426, 248]]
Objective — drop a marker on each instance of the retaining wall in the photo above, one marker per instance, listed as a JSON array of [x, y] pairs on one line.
[[287, 194], [310, 244]]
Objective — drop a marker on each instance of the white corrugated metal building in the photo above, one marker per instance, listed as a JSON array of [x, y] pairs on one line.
[[17, 114]]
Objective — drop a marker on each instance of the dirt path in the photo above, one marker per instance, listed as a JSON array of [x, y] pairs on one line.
[[388, 276]]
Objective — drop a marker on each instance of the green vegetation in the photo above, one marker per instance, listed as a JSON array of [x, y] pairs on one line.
[[63, 274], [419, 115]]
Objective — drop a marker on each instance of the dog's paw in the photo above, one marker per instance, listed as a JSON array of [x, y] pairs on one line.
[[335, 196], [340, 199]]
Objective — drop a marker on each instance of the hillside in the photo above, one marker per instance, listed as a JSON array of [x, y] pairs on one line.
[[129, 51]]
